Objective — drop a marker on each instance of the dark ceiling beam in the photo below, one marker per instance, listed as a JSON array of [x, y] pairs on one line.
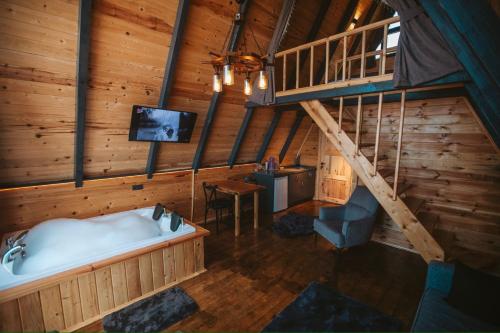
[[367, 20], [240, 136], [168, 76], [82, 78], [268, 136], [341, 27], [291, 135], [312, 35], [212, 108]]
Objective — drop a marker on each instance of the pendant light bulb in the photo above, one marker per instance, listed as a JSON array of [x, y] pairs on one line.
[[228, 75], [262, 83], [217, 84], [247, 86]]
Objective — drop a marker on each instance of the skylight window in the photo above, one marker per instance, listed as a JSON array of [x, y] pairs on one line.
[[392, 36]]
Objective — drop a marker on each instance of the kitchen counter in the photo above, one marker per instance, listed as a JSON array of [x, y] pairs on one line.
[[286, 187], [285, 171]]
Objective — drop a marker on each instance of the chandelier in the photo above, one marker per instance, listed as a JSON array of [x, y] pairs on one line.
[[228, 63]]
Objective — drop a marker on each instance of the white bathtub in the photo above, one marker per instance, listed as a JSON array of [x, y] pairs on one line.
[[58, 245]]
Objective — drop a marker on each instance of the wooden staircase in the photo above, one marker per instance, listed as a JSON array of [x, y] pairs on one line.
[[390, 194]]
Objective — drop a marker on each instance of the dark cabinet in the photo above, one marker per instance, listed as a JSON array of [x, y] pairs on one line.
[[301, 186]]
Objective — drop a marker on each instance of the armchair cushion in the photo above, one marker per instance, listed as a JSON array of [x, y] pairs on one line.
[[331, 230], [331, 213], [363, 198], [354, 212]]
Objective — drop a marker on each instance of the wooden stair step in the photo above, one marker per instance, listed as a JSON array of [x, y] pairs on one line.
[[403, 187], [354, 131], [428, 220], [384, 173], [366, 145], [371, 157], [413, 204]]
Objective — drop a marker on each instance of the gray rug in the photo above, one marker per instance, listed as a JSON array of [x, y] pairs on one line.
[[152, 314], [293, 225], [321, 309]]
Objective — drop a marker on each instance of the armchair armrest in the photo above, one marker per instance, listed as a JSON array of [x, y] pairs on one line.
[[331, 213], [440, 276], [357, 232]]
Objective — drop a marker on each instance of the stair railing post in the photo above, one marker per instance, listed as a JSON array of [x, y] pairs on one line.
[[384, 49], [400, 140], [363, 53], [358, 123], [377, 134], [297, 70], [284, 72], [327, 60], [344, 58], [341, 110], [311, 66]]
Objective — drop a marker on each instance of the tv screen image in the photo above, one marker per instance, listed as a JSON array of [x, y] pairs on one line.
[[153, 124]]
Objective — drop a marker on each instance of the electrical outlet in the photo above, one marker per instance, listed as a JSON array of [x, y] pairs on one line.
[[137, 187]]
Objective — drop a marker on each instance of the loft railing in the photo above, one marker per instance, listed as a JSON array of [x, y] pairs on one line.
[[339, 69]]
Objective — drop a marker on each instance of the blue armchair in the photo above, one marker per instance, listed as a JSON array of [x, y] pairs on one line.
[[351, 224]]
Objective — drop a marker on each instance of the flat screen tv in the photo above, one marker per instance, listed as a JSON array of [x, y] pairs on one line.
[[152, 124]]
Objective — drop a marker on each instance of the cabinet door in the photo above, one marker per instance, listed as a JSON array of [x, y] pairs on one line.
[[294, 186], [280, 194]]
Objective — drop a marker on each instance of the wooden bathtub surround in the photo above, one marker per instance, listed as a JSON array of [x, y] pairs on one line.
[[424, 243], [239, 188], [75, 298]]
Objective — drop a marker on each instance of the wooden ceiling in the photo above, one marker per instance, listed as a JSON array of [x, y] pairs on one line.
[[129, 46]]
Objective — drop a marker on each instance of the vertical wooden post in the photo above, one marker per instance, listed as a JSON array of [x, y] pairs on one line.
[[377, 134], [336, 71], [341, 110], [350, 70], [358, 123], [297, 70], [256, 209], [284, 72], [400, 140], [327, 60], [193, 180], [311, 66], [344, 58], [236, 215], [384, 49], [363, 53]]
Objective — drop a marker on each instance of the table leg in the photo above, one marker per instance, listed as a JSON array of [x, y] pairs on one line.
[[237, 215], [256, 209]]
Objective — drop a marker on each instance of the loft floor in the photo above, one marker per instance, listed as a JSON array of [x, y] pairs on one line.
[[252, 278]]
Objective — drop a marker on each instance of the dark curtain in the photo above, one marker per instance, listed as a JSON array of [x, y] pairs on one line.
[[422, 55]]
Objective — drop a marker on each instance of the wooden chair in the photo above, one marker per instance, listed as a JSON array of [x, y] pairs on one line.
[[216, 204]]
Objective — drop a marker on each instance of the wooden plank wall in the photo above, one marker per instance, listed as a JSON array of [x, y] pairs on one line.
[[451, 164], [37, 90], [25, 207]]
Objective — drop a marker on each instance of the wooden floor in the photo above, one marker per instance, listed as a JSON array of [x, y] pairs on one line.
[[252, 278]]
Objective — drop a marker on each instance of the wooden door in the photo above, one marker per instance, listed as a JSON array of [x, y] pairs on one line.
[[335, 176]]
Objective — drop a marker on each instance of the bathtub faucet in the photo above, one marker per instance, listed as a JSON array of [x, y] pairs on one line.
[[9, 255], [13, 242]]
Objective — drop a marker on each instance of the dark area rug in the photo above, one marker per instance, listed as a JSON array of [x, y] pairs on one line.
[[293, 224], [319, 308], [152, 314]]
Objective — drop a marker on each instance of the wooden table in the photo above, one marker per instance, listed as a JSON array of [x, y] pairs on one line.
[[239, 188]]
